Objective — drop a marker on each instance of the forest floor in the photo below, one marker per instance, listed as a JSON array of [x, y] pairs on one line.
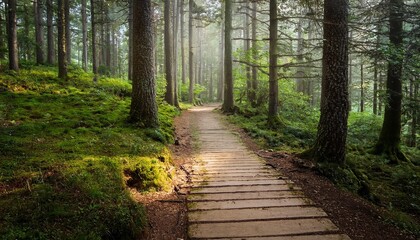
[[354, 216]]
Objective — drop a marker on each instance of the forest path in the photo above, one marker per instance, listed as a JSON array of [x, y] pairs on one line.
[[236, 196]]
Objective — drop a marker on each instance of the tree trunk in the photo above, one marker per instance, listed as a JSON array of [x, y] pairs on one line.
[[169, 95], [390, 137], [300, 71], [381, 88], [362, 89], [247, 48], [350, 74], [254, 74], [375, 87], [61, 29], [2, 38], [25, 46], [12, 36], [183, 67], [228, 102], [332, 128], [130, 39], [68, 32], [50, 34], [191, 53], [84, 37], [93, 42], [144, 107], [39, 35], [211, 91], [273, 82], [414, 113], [175, 50], [220, 87]]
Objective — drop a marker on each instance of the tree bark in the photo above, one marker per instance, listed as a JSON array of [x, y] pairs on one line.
[[247, 48], [254, 74], [50, 34], [273, 82], [61, 29], [2, 38], [169, 95], [191, 53], [175, 50], [220, 86], [12, 36], [362, 89], [390, 137], [67, 32], [25, 46], [84, 36], [300, 71], [130, 39], [330, 143], [183, 67], [144, 107], [93, 42], [228, 102], [39, 35]]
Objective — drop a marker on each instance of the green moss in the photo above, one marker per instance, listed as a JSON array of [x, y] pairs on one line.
[[66, 149]]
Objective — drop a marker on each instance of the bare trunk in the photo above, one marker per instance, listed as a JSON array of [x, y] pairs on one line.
[[50, 34], [362, 90], [12, 36], [61, 29], [228, 102], [247, 47], [68, 32], [183, 67], [330, 143], [93, 41], [273, 82], [254, 81], [191, 53], [390, 137], [169, 95], [175, 50], [220, 88], [39, 35], [84, 36], [130, 40], [144, 107]]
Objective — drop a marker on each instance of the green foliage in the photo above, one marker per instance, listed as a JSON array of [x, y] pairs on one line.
[[370, 176], [67, 151], [198, 90]]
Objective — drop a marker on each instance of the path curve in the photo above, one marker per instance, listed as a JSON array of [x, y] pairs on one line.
[[236, 196]]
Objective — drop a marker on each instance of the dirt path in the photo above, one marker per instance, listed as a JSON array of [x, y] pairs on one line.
[[235, 195]]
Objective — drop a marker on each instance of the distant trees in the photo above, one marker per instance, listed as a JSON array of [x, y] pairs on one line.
[[143, 103], [257, 58]]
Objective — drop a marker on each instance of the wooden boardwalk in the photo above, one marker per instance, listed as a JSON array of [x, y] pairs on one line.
[[236, 196]]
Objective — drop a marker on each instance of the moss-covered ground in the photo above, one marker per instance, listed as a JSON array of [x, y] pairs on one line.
[[67, 155]]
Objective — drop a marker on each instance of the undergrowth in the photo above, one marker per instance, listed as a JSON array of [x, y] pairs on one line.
[[67, 155], [394, 187]]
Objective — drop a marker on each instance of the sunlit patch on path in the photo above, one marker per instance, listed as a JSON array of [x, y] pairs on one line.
[[236, 196]]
